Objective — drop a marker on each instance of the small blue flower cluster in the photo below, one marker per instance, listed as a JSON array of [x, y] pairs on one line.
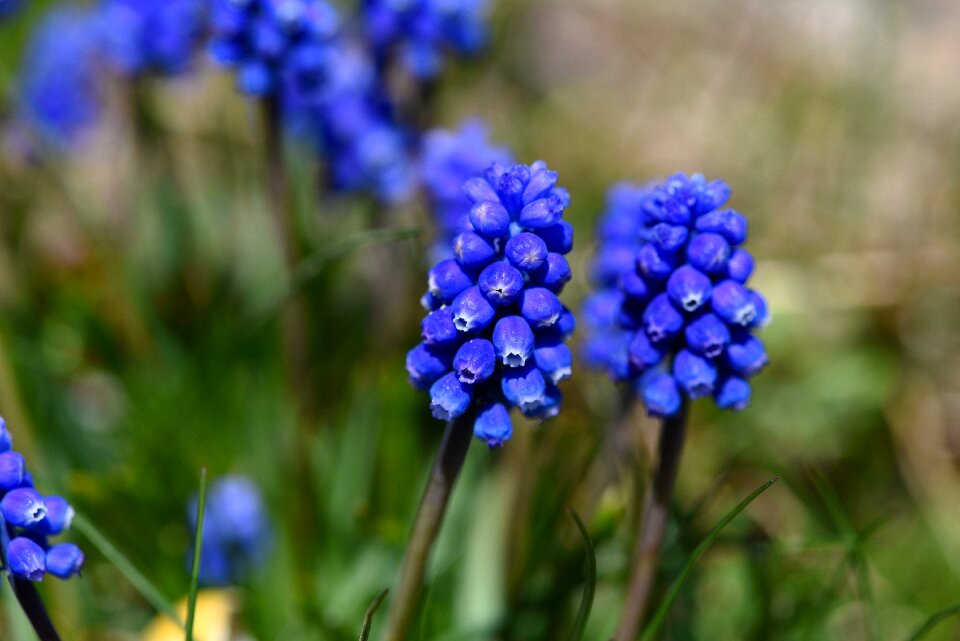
[[422, 29], [27, 519], [236, 531], [278, 47], [141, 36], [495, 335], [672, 312], [60, 88], [365, 146], [448, 158]]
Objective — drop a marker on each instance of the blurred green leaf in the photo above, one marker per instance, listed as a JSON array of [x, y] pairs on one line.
[[197, 553], [142, 584], [650, 632], [934, 620], [590, 588], [368, 617]]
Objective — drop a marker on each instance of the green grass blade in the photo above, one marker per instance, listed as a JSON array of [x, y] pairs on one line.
[[368, 617], [934, 620], [136, 578], [650, 632], [590, 589], [197, 551]]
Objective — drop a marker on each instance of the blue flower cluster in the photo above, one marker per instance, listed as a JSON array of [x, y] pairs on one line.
[[60, 87], [237, 536], [140, 36], [448, 158], [422, 29], [672, 312], [278, 47], [495, 333], [26, 520]]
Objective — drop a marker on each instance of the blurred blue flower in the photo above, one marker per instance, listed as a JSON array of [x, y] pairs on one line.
[[277, 47], [353, 128], [60, 93], [141, 36], [423, 30], [672, 313], [27, 518], [237, 535], [9, 7], [448, 158], [495, 332]]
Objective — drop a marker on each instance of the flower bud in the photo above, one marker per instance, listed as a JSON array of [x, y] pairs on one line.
[[12, 469], [661, 320], [490, 218], [660, 394], [524, 387], [473, 251], [553, 274], [526, 251], [426, 364], [437, 328], [707, 336], [540, 307], [447, 279], [708, 253], [64, 560], [732, 394]]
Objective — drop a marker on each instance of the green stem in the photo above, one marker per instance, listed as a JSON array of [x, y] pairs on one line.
[[446, 469], [293, 317], [650, 538]]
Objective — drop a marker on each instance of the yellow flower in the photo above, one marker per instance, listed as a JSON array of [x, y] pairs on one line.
[[213, 621]]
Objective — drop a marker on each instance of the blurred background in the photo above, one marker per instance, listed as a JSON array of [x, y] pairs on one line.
[[140, 336]]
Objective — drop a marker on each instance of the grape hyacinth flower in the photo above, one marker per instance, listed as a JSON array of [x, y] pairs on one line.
[[672, 313], [237, 535], [448, 158], [143, 36], [276, 46], [673, 316], [421, 30], [494, 338], [60, 89], [28, 518], [495, 335]]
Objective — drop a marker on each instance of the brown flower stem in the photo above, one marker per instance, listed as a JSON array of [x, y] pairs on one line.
[[650, 537], [446, 469]]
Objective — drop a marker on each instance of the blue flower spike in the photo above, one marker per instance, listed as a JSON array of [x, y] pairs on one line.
[[673, 312], [29, 518], [501, 294], [237, 531]]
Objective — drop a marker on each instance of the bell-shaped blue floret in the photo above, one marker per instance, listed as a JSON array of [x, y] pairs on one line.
[[689, 288], [540, 307], [64, 560], [426, 364], [23, 507], [26, 559], [475, 361], [732, 394], [524, 387], [501, 283], [661, 320], [513, 341], [696, 375], [471, 311], [493, 425], [707, 336], [449, 398]]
